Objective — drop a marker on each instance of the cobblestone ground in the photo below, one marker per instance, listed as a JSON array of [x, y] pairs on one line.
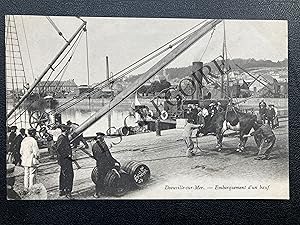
[[209, 174]]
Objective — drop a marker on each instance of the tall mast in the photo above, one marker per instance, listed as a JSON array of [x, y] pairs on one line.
[[110, 87], [225, 64]]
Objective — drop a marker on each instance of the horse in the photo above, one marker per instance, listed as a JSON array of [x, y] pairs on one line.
[[230, 120]]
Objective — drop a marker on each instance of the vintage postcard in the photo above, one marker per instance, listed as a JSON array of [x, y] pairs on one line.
[[146, 108]]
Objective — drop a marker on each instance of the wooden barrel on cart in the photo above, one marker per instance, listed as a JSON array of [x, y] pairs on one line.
[[139, 173], [116, 183]]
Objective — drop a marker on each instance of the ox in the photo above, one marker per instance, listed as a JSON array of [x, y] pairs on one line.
[[229, 120]]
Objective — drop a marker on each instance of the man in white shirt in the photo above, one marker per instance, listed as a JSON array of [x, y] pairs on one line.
[[30, 154], [187, 136]]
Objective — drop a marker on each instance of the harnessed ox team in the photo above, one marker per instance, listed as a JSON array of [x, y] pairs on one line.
[[230, 120]]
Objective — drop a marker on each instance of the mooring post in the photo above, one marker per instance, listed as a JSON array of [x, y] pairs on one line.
[[157, 127]]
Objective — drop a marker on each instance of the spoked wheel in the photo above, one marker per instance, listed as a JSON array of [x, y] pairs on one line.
[[38, 119], [187, 86], [171, 96]]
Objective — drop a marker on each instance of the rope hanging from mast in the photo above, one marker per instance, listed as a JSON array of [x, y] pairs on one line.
[[29, 56], [212, 33]]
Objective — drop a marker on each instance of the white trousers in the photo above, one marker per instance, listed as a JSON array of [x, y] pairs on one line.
[[29, 176]]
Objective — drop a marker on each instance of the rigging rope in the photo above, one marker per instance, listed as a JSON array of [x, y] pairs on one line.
[[250, 74], [58, 86], [91, 92], [44, 89], [30, 62], [87, 56], [212, 33], [111, 81], [56, 28], [121, 76]]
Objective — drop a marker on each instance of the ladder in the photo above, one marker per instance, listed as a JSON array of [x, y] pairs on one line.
[[15, 74]]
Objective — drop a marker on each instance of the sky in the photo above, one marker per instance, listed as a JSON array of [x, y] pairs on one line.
[[125, 40]]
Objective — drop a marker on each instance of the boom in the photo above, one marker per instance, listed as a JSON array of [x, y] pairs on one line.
[[204, 29]]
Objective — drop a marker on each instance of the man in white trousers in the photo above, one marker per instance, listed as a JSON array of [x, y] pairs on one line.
[[30, 155]]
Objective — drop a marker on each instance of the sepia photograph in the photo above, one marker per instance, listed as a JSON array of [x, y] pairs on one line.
[[119, 108]]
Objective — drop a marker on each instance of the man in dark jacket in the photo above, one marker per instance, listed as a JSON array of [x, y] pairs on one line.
[[262, 110], [11, 138], [104, 161], [64, 156], [270, 114], [17, 146]]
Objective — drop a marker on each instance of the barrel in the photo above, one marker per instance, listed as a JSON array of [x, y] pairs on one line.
[[115, 185], [139, 173], [124, 131], [94, 175]]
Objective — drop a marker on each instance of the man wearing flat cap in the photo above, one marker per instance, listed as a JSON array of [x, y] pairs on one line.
[[11, 172], [104, 161], [64, 156]]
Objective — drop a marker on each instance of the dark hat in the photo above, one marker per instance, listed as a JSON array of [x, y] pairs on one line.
[[13, 127], [99, 134], [13, 171], [22, 131], [64, 127], [31, 130], [69, 122]]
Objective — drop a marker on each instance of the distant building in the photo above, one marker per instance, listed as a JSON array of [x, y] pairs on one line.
[[57, 87], [82, 89]]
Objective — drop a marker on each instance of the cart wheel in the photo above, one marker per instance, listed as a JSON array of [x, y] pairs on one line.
[[39, 119], [187, 86]]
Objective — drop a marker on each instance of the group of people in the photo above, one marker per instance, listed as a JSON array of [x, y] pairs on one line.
[[25, 152], [268, 114], [197, 117], [202, 115]]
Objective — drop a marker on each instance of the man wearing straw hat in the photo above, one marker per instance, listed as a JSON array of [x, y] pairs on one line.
[[29, 155], [11, 172]]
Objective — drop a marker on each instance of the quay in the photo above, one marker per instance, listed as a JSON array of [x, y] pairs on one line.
[[165, 156]]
